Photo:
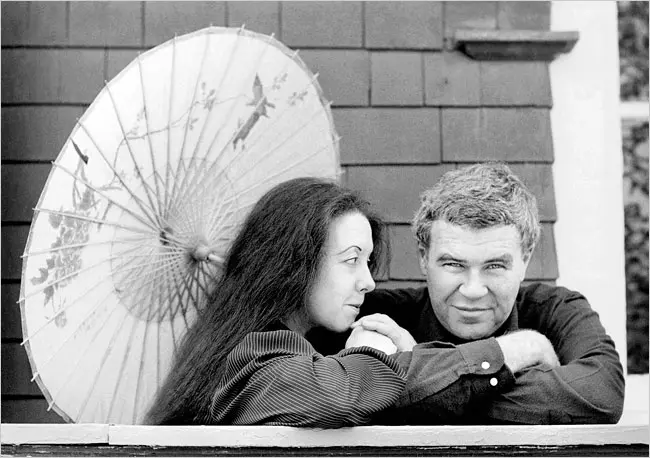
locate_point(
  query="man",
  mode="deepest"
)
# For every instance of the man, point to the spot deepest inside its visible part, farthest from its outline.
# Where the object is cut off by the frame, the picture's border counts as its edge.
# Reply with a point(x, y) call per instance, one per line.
point(491, 350)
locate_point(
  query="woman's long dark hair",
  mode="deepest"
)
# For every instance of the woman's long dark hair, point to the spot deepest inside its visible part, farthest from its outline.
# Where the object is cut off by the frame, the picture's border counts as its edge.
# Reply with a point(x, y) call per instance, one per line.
point(268, 274)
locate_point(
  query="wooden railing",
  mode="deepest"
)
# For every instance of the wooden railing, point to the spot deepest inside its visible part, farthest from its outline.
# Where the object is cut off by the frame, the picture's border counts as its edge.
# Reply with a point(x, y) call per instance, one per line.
point(122, 440)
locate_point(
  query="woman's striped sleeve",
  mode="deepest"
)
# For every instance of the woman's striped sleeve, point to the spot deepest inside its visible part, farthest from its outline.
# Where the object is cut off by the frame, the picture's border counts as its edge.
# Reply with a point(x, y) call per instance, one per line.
point(277, 378)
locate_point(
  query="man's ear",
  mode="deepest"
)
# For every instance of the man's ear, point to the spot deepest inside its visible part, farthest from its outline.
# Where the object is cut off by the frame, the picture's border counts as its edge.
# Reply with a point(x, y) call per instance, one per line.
point(526, 258)
point(423, 257)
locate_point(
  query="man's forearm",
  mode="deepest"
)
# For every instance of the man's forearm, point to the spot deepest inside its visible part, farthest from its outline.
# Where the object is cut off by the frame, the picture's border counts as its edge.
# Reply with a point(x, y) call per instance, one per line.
point(444, 379)
point(578, 393)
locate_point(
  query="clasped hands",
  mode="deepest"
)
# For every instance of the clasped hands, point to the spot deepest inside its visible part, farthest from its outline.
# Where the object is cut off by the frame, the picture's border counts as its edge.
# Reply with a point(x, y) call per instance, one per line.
point(381, 332)
point(521, 349)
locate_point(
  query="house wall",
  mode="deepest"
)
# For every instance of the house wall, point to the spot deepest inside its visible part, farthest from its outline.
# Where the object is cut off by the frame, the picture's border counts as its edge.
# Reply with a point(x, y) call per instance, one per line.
point(407, 106)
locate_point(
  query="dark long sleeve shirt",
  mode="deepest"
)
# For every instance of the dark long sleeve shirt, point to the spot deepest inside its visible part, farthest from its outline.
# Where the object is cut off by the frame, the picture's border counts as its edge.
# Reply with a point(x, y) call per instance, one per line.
point(457, 388)
point(277, 378)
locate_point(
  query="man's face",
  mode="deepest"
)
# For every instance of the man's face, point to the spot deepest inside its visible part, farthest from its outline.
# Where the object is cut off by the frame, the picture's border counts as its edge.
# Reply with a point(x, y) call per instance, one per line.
point(473, 276)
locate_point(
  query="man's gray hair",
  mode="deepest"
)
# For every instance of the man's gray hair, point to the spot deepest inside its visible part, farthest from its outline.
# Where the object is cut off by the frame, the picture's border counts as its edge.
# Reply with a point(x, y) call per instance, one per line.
point(480, 196)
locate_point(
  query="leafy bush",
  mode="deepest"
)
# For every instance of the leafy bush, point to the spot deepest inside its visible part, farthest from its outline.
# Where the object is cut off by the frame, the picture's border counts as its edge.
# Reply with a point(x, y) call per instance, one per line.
point(633, 49)
point(635, 180)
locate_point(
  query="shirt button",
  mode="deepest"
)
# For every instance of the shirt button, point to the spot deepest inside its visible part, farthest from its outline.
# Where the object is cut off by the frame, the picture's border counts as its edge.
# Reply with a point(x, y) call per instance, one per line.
point(485, 365)
point(493, 381)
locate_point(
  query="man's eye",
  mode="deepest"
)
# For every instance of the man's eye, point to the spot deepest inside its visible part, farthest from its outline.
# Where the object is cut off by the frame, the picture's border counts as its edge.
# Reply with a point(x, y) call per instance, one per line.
point(495, 266)
point(453, 265)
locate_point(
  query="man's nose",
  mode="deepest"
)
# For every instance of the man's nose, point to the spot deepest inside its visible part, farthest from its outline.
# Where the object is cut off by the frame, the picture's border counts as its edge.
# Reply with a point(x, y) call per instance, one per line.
point(365, 284)
point(473, 286)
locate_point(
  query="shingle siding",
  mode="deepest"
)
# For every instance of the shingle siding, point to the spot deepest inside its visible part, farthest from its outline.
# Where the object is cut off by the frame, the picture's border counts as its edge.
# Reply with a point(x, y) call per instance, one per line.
point(403, 25)
point(105, 24)
point(322, 24)
point(34, 23)
point(164, 20)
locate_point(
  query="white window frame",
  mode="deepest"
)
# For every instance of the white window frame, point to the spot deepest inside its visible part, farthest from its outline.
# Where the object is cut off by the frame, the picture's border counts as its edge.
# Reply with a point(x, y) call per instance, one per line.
point(588, 173)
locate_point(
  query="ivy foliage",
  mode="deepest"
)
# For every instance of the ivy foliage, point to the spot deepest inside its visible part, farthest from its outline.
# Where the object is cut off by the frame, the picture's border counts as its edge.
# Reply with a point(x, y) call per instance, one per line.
point(633, 49)
point(635, 179)
point(633, 52)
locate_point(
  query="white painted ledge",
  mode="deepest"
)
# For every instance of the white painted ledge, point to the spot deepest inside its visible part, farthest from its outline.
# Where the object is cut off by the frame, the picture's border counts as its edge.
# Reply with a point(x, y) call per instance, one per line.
point(287, 437)
point(17, 433)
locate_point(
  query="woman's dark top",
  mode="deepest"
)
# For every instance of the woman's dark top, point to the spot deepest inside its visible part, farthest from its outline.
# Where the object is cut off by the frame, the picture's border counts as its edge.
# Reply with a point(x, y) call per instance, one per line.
point(276, 377)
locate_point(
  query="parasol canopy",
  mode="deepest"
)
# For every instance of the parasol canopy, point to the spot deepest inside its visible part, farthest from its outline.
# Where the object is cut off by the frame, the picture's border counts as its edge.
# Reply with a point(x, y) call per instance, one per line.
point(142, 203)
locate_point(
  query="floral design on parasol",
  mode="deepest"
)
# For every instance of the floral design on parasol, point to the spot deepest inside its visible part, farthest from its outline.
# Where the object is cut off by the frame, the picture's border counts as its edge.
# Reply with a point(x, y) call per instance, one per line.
point(143, 201)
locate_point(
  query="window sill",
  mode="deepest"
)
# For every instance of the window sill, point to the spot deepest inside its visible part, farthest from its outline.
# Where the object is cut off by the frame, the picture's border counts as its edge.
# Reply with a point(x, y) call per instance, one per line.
point(107, 440)
point(523, 45)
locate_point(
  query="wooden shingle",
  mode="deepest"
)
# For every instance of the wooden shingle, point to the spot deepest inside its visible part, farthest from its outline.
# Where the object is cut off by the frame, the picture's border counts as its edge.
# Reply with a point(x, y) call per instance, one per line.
point(403, 25)
point(451, 79)
point(388, 135)
point(21, 187)
point(395, 190)
point(68, 76)
point(105, 23)
point(14, 239)
point(34, 23)
point(11, 320)
point(396, 79)
point(496, 134)
point(17, 380)
point(524, 15)
point(260, 17)
point(322, 24)
point(36, 133)
point(164, 20)
point(515, 84)
point(28, 411)
point(344, 75)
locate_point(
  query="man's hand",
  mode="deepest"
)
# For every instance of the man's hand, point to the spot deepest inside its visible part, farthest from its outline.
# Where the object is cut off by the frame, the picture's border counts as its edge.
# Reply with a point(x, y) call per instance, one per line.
point(361, 337)
point(385, 325)
point(526, 348)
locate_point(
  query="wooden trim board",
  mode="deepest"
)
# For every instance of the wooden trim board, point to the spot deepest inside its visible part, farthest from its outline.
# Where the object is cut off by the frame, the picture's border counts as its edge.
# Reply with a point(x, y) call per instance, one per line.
point(361, 436)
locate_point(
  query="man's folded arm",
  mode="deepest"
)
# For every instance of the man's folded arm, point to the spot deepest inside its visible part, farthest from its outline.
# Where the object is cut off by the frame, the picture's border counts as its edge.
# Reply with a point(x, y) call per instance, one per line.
point(588, 387)
point(444, 380)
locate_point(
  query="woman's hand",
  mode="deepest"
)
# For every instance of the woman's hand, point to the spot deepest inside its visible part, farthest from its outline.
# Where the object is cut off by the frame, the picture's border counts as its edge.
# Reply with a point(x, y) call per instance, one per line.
point(385, 325)
point(361, 337)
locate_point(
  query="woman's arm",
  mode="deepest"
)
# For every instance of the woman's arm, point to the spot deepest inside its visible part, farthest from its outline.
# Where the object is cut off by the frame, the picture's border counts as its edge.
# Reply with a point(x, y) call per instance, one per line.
point(277, 378)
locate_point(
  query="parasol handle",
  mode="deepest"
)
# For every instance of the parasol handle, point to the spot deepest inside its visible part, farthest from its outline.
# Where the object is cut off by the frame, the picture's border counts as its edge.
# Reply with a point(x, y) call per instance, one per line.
point(215, 259)
point(204, 253)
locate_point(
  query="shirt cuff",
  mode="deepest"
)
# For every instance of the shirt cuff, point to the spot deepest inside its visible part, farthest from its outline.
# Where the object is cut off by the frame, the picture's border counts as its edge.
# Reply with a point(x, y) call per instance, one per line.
point(485, 360)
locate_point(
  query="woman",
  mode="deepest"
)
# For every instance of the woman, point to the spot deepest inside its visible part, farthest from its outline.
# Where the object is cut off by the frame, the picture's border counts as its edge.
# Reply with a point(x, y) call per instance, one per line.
point(303, 259)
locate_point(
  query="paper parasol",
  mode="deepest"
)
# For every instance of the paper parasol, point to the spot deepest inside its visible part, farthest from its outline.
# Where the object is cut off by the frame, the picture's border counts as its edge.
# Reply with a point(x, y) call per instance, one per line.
point(142, 203)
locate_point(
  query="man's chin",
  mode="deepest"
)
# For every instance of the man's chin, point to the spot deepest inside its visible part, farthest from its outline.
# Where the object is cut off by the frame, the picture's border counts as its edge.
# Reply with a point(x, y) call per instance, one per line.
point(471, 334)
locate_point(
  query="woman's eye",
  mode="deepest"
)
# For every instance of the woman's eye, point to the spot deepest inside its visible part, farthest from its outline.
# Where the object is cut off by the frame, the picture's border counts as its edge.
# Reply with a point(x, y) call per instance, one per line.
point(352, 260)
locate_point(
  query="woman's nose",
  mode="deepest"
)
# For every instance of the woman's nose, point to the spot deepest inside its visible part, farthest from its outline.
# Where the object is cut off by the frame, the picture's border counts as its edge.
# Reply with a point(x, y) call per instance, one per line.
point(366, 284)
point(473, 286)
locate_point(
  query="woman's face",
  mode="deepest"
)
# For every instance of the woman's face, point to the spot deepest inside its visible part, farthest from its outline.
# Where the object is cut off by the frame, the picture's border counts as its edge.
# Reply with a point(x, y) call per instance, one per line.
point(344, 277)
